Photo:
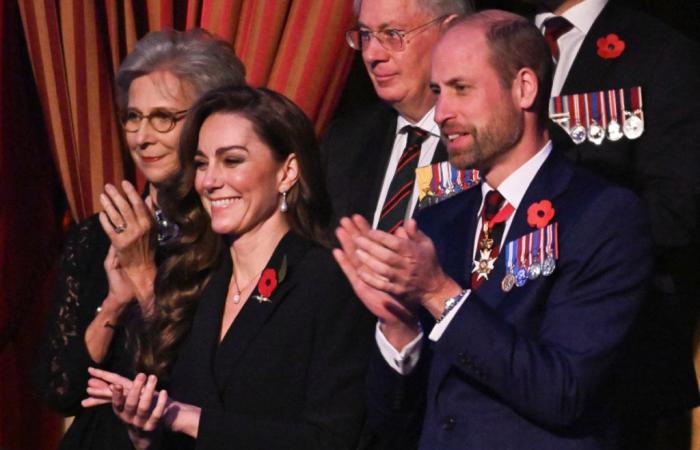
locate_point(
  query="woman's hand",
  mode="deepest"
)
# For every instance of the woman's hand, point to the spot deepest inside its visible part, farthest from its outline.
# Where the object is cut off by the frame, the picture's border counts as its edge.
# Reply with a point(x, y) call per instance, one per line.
point(128, 221)
point(121, 289)
point(136, 403)
point(140, 406)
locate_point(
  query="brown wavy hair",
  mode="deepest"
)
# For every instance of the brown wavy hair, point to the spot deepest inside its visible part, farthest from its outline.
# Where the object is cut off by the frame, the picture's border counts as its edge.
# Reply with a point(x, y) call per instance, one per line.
point(182, 276)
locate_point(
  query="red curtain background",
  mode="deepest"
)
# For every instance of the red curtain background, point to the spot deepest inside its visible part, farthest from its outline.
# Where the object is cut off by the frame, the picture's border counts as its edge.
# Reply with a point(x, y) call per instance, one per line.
point(59, 136)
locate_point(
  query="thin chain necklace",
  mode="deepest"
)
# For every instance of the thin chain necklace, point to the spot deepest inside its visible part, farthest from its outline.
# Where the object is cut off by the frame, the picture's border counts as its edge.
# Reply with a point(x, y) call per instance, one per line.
point(237, 292)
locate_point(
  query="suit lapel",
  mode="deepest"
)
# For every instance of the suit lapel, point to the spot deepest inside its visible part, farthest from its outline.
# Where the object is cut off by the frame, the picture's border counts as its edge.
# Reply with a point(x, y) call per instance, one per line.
point(256, 313)
point(203, 338)
point(549, 183)
point(589, 69)
point(440, 154)
point(375, 156)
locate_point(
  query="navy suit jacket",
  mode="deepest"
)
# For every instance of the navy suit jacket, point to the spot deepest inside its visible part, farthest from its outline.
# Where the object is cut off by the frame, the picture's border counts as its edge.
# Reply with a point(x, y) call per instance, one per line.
point(532, 368)
point(662, 167)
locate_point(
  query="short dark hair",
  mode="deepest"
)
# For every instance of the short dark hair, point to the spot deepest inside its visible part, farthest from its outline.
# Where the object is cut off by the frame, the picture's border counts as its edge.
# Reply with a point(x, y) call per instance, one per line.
point(515, 43)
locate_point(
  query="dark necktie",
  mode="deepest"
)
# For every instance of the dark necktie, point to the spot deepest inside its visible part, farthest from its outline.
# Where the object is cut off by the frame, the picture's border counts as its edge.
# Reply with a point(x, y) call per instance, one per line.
point(399, 194)
point(491, 230)
point(554, 28)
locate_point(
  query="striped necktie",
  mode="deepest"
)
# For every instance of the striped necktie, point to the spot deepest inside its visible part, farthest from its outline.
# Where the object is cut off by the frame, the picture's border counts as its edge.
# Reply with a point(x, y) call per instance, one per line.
point(399, 194)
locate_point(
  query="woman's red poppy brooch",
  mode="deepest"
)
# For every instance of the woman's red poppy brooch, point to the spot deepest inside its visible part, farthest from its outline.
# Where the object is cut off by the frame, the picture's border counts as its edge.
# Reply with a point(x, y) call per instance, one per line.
point(610, 46)
point(269, 280)
point(540, 213)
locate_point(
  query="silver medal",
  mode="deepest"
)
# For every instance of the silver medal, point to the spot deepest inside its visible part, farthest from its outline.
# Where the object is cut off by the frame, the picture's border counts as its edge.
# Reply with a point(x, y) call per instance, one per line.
point(596, 133)
point(534, 271)
point(578, 134)
point(548, 265)
point(633, 126)
point(614, 130)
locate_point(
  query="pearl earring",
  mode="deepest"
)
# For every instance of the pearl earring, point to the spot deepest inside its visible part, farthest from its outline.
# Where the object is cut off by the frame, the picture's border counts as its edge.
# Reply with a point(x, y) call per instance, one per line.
point(283, 203)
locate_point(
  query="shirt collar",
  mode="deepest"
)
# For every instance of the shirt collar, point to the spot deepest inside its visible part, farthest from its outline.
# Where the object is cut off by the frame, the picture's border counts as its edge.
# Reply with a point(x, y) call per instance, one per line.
point(427, 123)
point(514, 186)
point(581, 15)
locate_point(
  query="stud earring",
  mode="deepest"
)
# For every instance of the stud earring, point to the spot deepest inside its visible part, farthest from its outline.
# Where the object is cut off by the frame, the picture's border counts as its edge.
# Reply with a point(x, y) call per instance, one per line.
point(283, 203)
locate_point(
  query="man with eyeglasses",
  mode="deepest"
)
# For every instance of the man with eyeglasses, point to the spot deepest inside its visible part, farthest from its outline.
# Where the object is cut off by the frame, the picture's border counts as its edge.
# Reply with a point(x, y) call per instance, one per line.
point(370, 156)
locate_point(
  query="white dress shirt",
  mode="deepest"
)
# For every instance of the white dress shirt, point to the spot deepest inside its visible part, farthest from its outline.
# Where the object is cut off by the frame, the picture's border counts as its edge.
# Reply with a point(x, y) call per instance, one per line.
point(427, 123)
point(581, 16)
point(513, 189)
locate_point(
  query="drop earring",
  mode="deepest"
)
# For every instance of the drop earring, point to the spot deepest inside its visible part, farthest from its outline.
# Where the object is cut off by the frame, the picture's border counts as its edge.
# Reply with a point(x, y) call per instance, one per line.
point(283, 203)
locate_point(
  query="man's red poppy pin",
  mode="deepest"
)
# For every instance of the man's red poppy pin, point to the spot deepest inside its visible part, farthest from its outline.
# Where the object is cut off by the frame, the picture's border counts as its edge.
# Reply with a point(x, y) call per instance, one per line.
point(610, 46)
point(540, 213)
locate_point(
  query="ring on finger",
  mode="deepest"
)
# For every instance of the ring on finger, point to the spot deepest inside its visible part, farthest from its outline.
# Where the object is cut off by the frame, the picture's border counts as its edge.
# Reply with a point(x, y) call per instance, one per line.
point(120, 228)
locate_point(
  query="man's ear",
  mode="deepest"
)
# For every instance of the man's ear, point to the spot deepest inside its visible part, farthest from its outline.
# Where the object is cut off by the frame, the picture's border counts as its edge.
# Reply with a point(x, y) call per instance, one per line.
point(288, 174)
point(445, 23)
point(525, 88)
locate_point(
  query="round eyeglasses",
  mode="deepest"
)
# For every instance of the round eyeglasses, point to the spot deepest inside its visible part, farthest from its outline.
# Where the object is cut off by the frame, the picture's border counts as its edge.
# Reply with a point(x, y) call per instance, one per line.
point(162, 121)
point(391, 39)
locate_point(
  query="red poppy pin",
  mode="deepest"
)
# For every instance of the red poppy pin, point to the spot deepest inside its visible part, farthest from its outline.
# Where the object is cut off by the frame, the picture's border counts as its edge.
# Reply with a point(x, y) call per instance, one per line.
point(540, 213)
point(610, 46)
point(269, 280)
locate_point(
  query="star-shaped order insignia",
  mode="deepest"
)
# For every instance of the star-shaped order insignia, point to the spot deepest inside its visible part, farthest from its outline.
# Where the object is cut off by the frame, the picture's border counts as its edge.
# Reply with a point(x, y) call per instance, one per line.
point(484, 265)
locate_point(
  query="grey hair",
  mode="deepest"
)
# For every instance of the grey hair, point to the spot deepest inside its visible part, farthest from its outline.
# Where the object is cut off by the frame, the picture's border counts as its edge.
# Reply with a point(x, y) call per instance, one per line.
point(196, 57)
point(437, 7)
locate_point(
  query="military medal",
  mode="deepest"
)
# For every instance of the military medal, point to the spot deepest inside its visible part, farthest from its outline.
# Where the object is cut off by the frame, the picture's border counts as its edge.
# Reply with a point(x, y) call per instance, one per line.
point(487, 254)
point(614, 129)
point(535, 268)
point(508, 281)
point(634, 119)
point(521, 269)
point(440, 181)
point(578, 131)
point(559, 113)
point(551, 250)
point(596, 133)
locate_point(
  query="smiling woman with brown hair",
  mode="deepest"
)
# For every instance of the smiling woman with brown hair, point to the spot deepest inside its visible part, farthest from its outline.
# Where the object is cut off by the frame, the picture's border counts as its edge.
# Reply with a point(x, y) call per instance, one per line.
point(259, 335)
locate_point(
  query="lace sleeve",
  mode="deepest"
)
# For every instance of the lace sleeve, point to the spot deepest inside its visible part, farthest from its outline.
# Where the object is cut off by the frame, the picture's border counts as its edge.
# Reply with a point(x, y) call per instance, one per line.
point(81, 286)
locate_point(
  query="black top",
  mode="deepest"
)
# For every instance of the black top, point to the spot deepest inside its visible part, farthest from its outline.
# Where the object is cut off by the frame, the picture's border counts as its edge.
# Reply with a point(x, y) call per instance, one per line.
point(289, 373)
point(81, 287)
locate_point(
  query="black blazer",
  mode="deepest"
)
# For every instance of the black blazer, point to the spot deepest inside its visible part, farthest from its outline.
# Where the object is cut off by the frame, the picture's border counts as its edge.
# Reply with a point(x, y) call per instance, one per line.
point(355, 153)
point(663, 168)
point(289, 374)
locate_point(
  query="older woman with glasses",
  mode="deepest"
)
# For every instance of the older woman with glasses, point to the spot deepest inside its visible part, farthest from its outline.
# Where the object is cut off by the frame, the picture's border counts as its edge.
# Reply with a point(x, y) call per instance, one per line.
point(260, 338)
point(107, 270)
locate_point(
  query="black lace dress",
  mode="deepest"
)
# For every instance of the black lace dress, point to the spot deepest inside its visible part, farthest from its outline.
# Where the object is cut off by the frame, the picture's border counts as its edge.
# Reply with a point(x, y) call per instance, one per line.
point(62, 373)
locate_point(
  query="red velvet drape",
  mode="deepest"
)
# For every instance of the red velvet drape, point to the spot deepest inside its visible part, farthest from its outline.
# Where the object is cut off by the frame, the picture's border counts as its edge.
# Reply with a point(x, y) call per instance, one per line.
point(29, 241)
point(59, 135)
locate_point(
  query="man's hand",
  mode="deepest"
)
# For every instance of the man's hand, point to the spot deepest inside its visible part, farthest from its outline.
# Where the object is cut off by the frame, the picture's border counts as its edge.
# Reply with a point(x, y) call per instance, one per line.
point(403, 265)
point(398, 323)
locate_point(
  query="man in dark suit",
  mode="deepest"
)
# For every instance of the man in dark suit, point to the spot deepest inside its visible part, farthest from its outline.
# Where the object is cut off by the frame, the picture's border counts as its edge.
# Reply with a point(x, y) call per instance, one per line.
point(369, 158)
point(661, 166)
point(525, 346)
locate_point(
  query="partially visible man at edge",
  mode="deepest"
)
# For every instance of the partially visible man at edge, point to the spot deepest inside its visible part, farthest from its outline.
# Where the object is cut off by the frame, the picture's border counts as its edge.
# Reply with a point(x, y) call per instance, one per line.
point(603, 45)
point(370, 156)
point(527, 339)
